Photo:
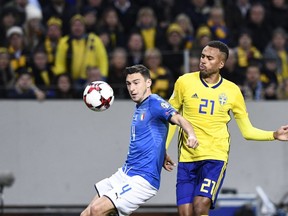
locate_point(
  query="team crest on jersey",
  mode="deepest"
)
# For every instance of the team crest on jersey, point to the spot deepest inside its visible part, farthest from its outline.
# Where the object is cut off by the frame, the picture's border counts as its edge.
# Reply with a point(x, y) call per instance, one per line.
point(222, 99)
point(165, 105)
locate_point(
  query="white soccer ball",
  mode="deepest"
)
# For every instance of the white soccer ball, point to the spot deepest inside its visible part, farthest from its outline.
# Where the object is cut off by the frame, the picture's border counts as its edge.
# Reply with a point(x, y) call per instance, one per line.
point(98, 96)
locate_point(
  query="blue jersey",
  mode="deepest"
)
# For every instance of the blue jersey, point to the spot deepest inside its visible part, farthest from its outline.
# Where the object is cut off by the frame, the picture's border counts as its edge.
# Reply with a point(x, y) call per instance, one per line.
point(148, 136)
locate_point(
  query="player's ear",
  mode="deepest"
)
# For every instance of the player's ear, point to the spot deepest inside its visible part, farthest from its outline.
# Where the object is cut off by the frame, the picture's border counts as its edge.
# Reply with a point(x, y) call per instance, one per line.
point(221, 65)
point(148, 83)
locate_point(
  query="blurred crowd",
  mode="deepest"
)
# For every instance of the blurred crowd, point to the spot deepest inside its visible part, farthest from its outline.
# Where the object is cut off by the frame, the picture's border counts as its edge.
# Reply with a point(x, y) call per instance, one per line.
point(53, 49)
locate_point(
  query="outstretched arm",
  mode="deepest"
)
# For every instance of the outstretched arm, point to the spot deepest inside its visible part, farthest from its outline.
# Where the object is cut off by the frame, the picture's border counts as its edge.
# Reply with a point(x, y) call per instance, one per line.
point(249, 132)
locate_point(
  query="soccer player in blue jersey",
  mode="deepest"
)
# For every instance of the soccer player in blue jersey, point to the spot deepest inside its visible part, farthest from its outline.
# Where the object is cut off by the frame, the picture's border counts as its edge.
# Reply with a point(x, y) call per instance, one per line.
point(205, 99)
point(138, 179)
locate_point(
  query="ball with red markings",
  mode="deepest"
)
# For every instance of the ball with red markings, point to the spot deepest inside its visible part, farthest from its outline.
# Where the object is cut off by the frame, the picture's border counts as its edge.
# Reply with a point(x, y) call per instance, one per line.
point(98, 96)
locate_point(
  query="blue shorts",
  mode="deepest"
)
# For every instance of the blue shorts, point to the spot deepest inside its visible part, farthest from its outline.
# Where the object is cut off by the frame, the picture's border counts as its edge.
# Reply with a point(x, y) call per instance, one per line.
point(201, 178)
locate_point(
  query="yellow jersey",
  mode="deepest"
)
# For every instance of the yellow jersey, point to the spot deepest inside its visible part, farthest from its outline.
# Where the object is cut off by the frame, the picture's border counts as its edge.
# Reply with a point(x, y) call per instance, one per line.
point(207, 107)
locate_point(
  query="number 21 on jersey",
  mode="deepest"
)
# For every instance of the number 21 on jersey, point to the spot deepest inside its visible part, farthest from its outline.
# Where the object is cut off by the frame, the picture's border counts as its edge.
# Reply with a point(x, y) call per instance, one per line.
point(208, 186)
point(206, 106)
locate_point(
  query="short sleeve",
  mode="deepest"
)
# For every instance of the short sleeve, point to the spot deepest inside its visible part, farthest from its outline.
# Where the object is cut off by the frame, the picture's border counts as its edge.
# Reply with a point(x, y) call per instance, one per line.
point(162, 109)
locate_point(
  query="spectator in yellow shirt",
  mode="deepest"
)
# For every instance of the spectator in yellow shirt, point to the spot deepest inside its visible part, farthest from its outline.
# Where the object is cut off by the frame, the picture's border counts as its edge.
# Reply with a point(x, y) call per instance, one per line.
point(78, 50)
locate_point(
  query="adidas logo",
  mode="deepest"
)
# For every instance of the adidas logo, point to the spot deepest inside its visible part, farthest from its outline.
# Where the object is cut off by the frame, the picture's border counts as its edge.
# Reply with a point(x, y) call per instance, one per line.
point(194, 95)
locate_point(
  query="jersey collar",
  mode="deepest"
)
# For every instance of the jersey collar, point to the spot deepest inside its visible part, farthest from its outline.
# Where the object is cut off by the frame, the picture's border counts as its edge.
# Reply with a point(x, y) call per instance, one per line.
point(138, 105)
point(214, 86)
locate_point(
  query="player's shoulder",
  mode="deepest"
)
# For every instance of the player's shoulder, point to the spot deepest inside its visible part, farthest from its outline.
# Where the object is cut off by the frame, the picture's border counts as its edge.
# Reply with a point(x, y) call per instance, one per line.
point(155, 98)
point(157, 101)
point(187, 77)
point(230, 84)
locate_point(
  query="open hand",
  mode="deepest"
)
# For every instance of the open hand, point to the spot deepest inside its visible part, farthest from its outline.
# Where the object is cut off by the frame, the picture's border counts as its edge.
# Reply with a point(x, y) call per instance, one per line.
point(168, 163)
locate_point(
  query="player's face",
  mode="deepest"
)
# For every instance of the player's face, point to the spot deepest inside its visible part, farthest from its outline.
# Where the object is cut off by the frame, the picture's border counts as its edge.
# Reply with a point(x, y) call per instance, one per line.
point(138, 87)
point(211, 61)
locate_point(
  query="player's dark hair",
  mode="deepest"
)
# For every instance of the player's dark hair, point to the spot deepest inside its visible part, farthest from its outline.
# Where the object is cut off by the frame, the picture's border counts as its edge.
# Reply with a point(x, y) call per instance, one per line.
point(221, 46)
point(138, 69)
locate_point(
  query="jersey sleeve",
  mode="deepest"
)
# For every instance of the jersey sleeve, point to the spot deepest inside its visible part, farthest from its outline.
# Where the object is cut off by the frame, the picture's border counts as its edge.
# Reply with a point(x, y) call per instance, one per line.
point(247, 130)
point(171, 132)
point(239, 107)
point(176, 98)
point(251, 133)
point(162, 109)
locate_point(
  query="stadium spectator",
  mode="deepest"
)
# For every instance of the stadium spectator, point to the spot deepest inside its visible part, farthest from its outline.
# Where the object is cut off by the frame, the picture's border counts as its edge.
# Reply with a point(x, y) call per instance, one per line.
point(116, 77)
point(8, 17)
point(33, 29)
point(193, 63)
point(198, 11)
point(97, 6)
point(42, 74)
point(278, 49)
point(173, 50)
point(230, 70)
point(217, 25)
point(162, 79)
point(62, 10)
point(77, 51)
point(236, 13)
point(6, 74)
point(258, 24)
point(91, 19)
point(146, 25)
point(185, 23)
point(20, 8)
point(127, 13)
point(24, 88)
point(269, 71)
point(53, 35)
point(19, 53)
point(246, 52)
point(62, 88)
point(203, 36)
point(111, 25)
point(164, 10)
point(253, 88)
point(135, 49)
point(278, 14)
point(93, 74)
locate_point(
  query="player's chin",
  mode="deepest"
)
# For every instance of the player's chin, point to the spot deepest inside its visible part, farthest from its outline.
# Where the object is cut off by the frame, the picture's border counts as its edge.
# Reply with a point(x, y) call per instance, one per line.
point(135, 98)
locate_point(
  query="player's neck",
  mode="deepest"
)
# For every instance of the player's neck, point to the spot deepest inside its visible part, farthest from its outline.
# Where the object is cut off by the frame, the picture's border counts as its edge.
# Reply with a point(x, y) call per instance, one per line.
point(212, 79)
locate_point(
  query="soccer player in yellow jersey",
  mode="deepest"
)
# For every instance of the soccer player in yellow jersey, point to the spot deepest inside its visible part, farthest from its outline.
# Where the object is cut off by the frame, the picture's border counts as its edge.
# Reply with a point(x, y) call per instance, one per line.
point(206, 99)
